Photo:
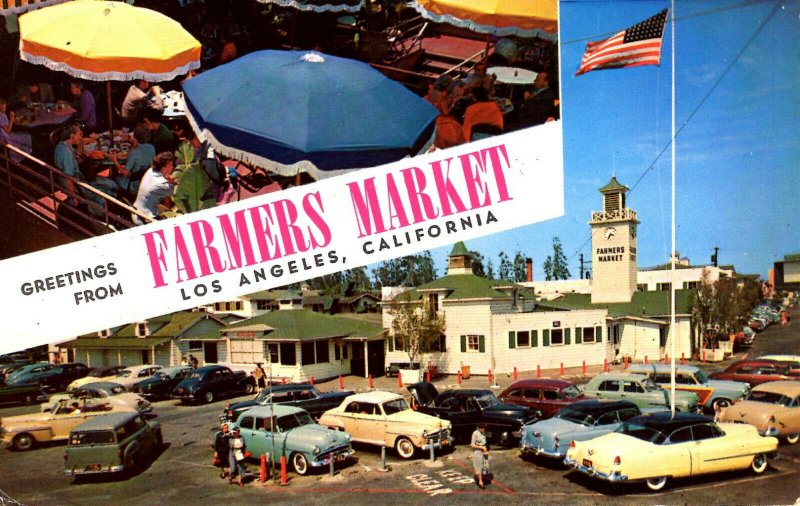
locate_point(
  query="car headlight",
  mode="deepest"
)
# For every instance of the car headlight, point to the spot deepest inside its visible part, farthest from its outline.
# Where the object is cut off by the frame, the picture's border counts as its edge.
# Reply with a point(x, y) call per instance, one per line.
point(425, 433)
point(315, 451)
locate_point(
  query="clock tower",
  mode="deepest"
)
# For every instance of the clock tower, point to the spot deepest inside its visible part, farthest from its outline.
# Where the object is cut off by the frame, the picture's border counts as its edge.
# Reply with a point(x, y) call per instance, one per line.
point(614, 266)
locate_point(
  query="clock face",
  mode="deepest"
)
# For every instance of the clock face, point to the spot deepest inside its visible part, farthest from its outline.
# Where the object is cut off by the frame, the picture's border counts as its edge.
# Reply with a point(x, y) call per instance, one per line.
point(610, 233)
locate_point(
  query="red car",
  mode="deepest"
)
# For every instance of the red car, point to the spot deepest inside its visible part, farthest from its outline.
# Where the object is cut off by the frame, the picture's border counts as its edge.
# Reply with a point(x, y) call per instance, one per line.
point(756, 372)
point(546, 395)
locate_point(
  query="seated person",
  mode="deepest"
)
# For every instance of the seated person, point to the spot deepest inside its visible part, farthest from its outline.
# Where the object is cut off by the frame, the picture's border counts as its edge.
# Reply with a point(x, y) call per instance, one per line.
point(84, 103)
point(33, 90)
point(157, 184)
point(140, 96)
point(478, 78)
point(161, 136)
point(483, 112)
point(140, 157)
point(21, 141)
point(539, 103)
point(448, 129)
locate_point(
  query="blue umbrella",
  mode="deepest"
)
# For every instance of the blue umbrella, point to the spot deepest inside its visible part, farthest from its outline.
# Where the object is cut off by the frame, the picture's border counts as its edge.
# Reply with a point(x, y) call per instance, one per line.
point(293, 106)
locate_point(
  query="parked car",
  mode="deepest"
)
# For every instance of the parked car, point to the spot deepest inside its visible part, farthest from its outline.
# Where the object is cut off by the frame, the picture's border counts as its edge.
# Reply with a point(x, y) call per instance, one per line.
point(302, 396)
point(19, 394)
point(23, 432)
point(578, 421)
point(793, 361)
point(772, 408)
point(384, 418)
point(95, 375)
point(640, 389)
point(59, 376)
point(112, 443)
point(657, 447)
point(100, 395)
point(27, 372)
point(712, 394)
point(466, 408)
point(161, 384)
point(756, 372)
point(546, 395)
point(745, 337)
point(7, 369)
point(210, 382)
point(131, 375)
point(291, 432)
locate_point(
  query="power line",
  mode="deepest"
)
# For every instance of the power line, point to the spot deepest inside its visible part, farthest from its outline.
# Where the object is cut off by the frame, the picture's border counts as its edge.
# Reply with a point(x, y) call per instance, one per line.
point(703, 100)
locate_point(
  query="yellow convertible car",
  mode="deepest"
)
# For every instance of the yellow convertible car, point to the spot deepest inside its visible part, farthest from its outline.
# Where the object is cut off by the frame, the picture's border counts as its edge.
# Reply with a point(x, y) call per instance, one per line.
point(772, 408)
point(655, 447)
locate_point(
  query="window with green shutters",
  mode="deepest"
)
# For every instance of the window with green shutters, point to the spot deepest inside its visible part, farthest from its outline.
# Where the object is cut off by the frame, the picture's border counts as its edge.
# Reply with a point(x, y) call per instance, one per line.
point(473, 343)
point(512, 340)
point(390, 343)
point(546, 337)
point(535, 338)
point(463, 344)
point(598, 334)
point(567, 336)
point(578, 335)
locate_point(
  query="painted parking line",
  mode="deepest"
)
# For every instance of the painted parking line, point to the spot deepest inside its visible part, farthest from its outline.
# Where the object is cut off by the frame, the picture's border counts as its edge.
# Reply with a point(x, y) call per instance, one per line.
point(494, 481)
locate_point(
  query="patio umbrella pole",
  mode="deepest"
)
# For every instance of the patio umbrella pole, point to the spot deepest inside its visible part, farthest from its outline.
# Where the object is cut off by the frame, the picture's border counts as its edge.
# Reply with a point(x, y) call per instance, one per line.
point(108, 95)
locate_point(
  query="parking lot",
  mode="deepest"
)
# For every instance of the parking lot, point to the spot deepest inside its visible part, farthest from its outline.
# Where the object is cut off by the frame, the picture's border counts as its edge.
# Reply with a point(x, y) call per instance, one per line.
point(183, 472)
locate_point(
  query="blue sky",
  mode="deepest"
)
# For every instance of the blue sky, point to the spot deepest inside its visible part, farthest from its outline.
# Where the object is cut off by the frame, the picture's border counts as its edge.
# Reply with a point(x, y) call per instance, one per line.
point(738, 158)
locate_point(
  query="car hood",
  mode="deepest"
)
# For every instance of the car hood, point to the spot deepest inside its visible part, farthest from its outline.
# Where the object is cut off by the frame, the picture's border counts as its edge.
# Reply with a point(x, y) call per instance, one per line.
point(188, 383)
point(512, 410)
point(552, 426)
point(728, 386)
point(316, 435)
point(424, 392)
point(682, 398)
point(752, 412)
point(422, 420)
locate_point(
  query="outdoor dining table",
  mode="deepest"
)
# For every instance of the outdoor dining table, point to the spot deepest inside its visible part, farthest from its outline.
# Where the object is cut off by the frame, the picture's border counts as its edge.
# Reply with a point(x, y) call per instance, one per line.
point(38, 115)
point(174, 106)
point(98, 150)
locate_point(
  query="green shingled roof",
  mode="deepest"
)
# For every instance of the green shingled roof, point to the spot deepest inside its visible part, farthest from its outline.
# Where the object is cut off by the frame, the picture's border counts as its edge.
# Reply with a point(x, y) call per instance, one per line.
point(613, 185)
point(129, 343)
point(459, 249)
point(792, 257)
point(461, 286)
point(644, 304)
point(304, 324)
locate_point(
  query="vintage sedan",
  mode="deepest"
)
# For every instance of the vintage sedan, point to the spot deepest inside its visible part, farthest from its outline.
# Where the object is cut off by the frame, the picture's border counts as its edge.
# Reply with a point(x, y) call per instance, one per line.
point(580, 421)
point(756, 372)
point(468, 407)
point(59, 376)
point(27, 393)
point(546, 395)
point(772, 408)
point(27, 373)
point(112, 443)
point(95, 375)
point(131, 375)
point(161, 384)
point(385, 419)
point(638, 388)
point(23, 432)
point(101, 395)
point(205, 384)
point(291, 432)
point(656, 447)
point(713, 394)
point(304, 396)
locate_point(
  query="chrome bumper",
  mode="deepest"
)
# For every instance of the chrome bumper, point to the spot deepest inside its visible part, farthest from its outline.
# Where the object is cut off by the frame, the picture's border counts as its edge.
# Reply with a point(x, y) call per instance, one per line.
point(538, 450)
point(112, 469)
point(770, 431)
point(338, 455)
point(594, 473)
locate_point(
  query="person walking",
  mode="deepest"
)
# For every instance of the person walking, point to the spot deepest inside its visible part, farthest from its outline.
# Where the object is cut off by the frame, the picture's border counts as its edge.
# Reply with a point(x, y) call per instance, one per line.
point(258, 378)
point(480, 453)
point(222, 450)
point(238, 449)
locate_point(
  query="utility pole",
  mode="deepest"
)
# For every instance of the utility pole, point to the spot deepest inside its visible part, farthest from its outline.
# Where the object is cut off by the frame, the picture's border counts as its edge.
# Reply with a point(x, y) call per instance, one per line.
point(715, 257)
point(585, 272)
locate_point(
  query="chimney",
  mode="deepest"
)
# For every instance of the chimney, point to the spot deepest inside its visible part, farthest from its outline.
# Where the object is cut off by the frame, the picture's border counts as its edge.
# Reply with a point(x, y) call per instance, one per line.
point(529, 269)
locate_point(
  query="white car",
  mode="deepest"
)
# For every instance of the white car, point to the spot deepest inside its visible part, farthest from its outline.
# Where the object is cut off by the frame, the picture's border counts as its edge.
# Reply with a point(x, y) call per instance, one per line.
point(134, 374)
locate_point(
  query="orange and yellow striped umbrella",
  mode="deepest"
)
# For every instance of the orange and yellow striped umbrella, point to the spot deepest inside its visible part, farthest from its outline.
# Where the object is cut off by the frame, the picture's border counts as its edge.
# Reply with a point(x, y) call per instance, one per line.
point(525, 18)
point(19, 6)
point(104, 40)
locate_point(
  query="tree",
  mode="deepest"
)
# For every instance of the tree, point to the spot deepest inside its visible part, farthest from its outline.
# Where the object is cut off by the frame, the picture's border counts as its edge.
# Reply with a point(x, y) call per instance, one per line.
point(489, 269)
point(505, 267)
point(359, 278)
point(520, 268)
point(555, 266)
point(416, 327)
point(412, 270)
point(477, 264)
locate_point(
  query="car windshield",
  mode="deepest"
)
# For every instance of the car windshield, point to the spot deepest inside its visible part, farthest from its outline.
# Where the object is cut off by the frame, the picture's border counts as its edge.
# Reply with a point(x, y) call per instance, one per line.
point(769, 398)
point(571, 391)
point(486, 400)
point(105, 437)
point(162, 375)
point(575, 416)
point(395, 406)
point(195, 376)
point(289, 422)
point(701, 377)
point(641, 432)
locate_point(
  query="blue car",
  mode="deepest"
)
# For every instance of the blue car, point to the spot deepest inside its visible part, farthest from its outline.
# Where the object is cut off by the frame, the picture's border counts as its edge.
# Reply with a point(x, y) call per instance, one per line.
point(27, 373)
point(579, 421)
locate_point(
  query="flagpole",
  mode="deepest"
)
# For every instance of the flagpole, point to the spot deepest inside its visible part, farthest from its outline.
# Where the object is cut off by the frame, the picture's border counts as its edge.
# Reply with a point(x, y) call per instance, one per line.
point(672, 329)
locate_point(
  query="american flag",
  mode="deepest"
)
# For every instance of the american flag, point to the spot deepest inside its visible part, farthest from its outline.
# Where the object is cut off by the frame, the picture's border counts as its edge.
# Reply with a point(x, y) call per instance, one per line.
point(638, 45)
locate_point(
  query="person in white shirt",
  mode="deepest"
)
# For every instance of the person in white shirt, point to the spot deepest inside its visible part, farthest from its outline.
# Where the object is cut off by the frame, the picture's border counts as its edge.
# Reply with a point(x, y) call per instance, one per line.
point(138, 98)
point(157, 185)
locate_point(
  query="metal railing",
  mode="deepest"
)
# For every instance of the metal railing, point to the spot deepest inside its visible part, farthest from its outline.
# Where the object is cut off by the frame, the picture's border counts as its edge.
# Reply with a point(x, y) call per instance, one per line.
point(405, 37)
point(466, 65)
point(29, 179)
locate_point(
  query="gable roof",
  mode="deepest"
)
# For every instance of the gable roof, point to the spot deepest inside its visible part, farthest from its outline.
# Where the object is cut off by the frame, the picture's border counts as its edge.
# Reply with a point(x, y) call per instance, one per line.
point(462, 286)
point(306, 325)
point(650, 303)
